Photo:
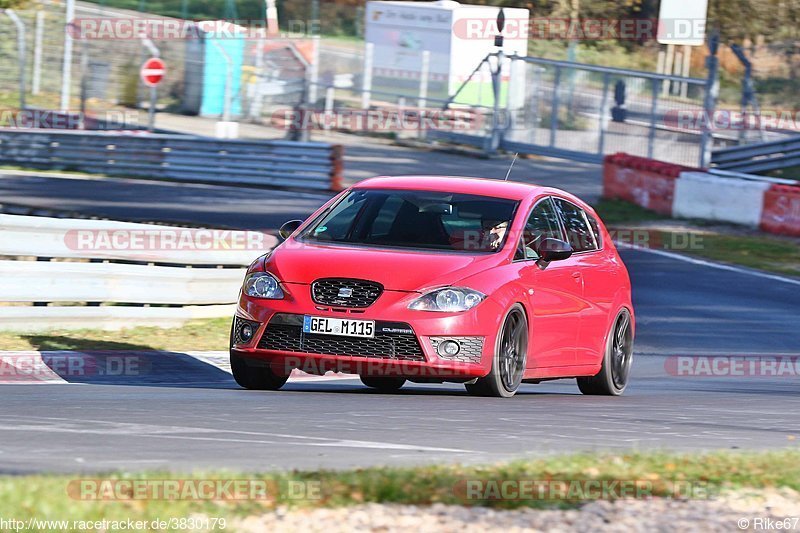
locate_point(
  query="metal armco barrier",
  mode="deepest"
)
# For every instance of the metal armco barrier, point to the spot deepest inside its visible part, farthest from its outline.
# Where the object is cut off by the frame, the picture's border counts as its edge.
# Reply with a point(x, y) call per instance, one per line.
point(759, 157)
point(73, 272)
point(307, 165)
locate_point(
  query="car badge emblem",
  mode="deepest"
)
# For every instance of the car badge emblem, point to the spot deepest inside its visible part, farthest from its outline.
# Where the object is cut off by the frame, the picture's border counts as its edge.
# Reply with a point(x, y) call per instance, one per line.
point(345, 292)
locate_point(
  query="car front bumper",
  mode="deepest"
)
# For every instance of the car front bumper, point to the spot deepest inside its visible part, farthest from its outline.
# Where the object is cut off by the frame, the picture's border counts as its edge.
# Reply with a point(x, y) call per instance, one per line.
point(404, 344)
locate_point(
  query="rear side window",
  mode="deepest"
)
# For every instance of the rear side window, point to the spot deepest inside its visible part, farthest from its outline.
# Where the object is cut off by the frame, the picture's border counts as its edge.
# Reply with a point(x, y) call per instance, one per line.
point(542, 224)
point(579, 235)
point(595, 229)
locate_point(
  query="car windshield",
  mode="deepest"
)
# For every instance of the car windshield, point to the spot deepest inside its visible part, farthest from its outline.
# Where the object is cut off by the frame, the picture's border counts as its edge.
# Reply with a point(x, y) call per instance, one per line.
point(416, 219)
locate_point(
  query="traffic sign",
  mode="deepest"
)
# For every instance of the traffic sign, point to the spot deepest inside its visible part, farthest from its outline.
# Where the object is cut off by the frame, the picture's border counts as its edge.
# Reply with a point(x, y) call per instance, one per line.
point(152, 71)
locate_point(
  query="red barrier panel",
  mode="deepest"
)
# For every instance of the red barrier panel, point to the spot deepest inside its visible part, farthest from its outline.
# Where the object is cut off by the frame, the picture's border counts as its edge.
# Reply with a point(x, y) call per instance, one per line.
point(645, 182)
point(782, 210)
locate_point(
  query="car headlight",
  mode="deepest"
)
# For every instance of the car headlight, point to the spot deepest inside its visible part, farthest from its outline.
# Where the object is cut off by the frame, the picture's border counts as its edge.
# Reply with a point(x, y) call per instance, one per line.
point(262, 285)
point(448, 300)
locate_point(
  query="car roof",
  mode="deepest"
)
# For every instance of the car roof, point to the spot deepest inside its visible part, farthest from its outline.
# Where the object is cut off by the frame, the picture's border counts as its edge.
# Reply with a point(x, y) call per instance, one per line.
point(512, 190)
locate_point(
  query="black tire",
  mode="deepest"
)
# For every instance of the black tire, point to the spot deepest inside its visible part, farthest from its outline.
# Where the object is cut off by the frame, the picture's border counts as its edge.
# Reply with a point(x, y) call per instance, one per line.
point(383, 383)
point(255, 376)
point(615, 371)
point(510, 356)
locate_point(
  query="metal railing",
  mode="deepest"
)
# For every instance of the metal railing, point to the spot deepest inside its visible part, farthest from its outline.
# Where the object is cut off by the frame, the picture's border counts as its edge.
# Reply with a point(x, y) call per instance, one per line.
point(760, 157)
point(65, 272)
point(309, 165)
point(583, 112)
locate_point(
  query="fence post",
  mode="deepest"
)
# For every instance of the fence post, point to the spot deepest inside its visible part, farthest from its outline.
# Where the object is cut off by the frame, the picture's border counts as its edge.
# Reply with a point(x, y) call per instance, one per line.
point(337, 165)
point(686, 69)
point(668, 67)
point(710, 99)
point(366, 81)
point(651, 138)
point(512, 96)
point(603, 122)
point(84, 84)
point(254, 91)
point(313, 71)
point(20, 54)
point(497, 83)
point(66, 67)
point(226, 104)
point(37, 52)
point(554, 109)
point(329, 99)
point(272, 18)
point(423, 78)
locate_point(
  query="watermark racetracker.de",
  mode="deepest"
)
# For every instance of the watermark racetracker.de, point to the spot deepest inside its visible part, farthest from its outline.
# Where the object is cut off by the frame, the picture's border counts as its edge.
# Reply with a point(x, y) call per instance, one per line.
point(516, 28)
point(577, 490)
point(166, 239)
point(751, 365)
point(33, 367)
point(182, 489)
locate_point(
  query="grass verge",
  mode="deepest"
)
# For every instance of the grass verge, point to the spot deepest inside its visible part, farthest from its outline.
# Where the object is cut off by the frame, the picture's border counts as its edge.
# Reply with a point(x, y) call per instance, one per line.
point(56, 497)
point(726, 244)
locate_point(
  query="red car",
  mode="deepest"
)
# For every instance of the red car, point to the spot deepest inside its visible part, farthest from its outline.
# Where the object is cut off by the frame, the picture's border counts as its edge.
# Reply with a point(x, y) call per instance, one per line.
point(440, 279)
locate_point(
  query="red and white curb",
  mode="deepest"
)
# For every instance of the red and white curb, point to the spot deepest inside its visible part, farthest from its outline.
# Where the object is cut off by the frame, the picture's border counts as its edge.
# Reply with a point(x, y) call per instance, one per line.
point(769, 204)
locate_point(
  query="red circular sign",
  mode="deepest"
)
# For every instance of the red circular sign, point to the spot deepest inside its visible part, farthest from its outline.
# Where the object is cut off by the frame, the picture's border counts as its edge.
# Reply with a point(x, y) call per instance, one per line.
point(152, 72)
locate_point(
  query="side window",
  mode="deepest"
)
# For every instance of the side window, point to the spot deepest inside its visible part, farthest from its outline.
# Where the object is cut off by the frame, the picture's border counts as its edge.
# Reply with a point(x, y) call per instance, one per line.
point(339, 222)
point(595, 229)
point(542, 224)
point(579, 235)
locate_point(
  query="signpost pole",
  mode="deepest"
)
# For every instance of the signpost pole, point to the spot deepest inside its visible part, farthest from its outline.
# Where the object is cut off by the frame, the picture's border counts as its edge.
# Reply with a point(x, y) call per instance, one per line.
point(152, 73)
point(151, 115)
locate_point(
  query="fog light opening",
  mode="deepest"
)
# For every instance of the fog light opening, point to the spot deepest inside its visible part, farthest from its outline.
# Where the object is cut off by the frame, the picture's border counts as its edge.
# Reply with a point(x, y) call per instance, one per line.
point(246, 332)
point(448, 348)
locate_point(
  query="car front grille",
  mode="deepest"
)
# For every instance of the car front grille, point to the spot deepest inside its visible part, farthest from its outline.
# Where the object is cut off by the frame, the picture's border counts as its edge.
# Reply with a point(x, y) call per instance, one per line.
point(393, 340)
point(342, 292)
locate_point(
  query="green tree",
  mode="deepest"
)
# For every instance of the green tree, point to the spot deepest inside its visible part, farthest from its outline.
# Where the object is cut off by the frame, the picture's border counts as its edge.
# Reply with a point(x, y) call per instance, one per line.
point(13, 4)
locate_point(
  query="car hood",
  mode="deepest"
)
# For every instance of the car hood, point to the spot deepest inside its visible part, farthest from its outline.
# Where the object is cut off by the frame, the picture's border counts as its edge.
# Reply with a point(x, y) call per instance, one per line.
point(399, 270)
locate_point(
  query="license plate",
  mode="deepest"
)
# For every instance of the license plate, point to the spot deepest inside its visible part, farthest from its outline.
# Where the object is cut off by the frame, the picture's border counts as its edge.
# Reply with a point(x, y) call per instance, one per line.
point(338, 326)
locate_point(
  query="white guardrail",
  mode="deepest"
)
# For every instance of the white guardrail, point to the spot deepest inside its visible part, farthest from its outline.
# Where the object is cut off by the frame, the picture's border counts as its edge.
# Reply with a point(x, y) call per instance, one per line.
point(75, 273)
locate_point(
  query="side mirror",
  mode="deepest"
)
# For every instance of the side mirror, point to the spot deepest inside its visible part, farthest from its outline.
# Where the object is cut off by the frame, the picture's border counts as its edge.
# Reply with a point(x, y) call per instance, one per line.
point(288, 228)
point(552, 250)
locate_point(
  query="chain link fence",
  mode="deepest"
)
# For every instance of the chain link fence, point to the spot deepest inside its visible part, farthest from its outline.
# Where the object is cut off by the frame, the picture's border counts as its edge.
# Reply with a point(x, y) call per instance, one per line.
point(544, 106)
point(603, 111)
point(104, 81)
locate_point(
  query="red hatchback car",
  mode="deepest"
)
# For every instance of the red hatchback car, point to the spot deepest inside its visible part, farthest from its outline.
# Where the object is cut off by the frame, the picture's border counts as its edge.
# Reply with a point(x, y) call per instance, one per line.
point(432, 279)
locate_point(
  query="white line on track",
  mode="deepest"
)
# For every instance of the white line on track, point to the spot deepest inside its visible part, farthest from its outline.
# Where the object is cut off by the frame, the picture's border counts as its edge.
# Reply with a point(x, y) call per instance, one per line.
point(703, 262)
point(154, 431)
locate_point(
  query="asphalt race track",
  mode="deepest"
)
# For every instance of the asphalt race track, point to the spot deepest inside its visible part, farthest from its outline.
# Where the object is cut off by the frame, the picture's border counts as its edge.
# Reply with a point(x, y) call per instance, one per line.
point(192, 204)
point(191, 415)
point(267, 209)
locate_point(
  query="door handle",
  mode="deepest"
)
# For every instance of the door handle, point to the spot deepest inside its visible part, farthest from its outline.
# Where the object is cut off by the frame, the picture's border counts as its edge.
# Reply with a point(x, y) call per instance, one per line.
point(576, 275)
